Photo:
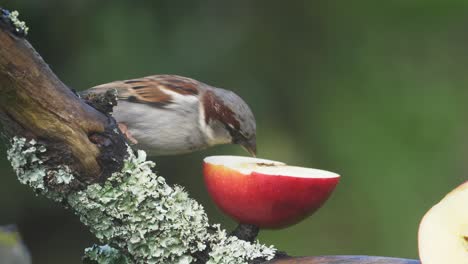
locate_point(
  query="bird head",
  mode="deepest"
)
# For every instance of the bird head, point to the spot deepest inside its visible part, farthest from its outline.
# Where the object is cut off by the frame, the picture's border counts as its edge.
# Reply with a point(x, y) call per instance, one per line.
point(229, 119)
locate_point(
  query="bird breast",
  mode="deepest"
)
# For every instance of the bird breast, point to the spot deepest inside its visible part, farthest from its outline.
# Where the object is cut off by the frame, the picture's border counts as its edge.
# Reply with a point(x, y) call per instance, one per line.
point(163, 131)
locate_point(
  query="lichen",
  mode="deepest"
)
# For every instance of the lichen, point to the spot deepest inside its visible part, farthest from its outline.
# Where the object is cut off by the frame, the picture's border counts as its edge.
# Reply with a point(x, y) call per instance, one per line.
point(27, 160)
point(229, 249)
point(105, 255)
point(24, 159)
point(20, 26)
point(62, 175)
point(137, 212)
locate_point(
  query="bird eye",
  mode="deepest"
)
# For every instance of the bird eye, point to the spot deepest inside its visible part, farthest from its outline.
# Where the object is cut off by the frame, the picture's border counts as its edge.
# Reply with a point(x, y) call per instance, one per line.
point(240, 137)
point(236, 135)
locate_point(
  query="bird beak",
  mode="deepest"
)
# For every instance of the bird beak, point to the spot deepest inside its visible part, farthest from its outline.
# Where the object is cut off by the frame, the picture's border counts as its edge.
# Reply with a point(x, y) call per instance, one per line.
point(250, 146)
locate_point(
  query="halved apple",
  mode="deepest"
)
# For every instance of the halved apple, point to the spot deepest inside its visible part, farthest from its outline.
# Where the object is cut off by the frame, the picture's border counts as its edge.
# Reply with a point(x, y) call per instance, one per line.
point(265, 193)
point(443, 231)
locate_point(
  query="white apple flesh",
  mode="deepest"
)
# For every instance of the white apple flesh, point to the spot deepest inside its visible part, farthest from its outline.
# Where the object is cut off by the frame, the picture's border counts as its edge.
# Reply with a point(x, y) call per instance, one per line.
point(265, 193)
point(443, 232)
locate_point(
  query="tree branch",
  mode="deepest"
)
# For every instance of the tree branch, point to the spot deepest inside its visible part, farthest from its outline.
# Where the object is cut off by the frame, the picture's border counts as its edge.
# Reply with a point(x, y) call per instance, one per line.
point(34, 103)
point(344, 260)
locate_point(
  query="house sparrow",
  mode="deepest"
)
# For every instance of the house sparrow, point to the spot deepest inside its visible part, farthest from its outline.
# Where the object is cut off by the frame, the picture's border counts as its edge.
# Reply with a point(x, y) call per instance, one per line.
point(170, 114)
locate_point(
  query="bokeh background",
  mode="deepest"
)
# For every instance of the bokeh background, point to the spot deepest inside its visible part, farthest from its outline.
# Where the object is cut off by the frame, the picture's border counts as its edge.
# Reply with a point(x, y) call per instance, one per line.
point(373, 90)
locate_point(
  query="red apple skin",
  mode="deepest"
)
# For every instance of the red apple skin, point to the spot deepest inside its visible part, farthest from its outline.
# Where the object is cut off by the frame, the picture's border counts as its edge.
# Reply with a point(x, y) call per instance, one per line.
point(265, 200)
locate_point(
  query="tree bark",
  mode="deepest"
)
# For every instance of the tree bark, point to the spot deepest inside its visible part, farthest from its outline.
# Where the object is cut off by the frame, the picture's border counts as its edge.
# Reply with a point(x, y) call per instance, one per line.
point(35, 104)
point(343, 260)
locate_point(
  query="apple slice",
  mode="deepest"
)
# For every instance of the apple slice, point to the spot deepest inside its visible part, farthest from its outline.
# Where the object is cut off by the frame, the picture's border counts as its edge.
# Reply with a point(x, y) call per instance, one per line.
point(443, 232)
point(265, 193)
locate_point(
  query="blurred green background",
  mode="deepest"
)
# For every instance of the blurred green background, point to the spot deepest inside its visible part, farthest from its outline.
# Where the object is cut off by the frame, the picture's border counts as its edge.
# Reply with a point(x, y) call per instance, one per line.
point(373, 90)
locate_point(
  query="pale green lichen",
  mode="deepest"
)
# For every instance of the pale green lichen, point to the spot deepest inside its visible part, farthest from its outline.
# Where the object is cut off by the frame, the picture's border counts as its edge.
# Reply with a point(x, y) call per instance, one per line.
point(229, 249)
point(105, 255)
point(143, 219)
point(62, 175)
point(20, 26)
point(25, 158)
point(137, 212)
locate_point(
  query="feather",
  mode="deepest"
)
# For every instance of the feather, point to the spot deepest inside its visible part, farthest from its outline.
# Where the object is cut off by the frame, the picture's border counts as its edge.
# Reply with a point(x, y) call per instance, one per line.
point(156, 90)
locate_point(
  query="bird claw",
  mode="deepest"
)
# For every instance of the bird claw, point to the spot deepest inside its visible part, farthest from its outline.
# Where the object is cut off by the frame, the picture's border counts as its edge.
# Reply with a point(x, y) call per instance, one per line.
point(124, 129)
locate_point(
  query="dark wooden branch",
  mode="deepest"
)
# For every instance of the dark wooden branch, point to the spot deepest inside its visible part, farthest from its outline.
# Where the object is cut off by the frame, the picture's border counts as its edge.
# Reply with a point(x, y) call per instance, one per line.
point(343, 260)
point(246, 232)
point(35, 104)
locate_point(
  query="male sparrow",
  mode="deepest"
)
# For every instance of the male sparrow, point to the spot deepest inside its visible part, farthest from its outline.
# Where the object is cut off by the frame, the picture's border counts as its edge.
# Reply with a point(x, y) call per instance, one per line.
point(170, 114)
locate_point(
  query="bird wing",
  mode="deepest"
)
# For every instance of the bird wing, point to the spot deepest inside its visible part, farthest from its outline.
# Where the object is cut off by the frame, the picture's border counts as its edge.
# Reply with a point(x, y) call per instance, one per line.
point(156, 90)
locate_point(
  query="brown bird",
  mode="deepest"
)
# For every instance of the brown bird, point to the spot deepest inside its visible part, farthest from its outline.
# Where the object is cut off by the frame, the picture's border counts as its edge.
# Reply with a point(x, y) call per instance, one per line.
point(170, 114)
